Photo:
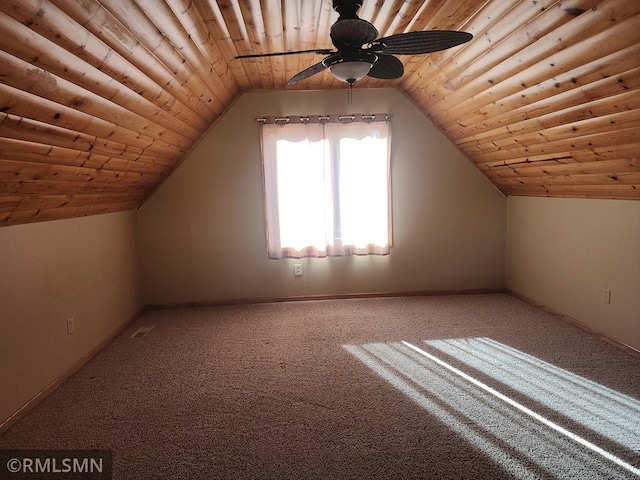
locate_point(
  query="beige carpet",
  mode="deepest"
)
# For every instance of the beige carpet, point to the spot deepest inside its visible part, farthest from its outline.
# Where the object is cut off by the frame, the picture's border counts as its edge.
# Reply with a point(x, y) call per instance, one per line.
point(451, 387)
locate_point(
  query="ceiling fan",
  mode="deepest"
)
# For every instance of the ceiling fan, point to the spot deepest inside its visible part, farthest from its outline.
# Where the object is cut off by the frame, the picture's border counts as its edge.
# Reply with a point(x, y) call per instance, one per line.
point(359, 52)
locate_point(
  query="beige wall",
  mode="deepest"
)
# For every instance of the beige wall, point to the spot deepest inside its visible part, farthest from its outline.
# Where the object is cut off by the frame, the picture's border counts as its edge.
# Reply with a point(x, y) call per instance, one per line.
point(85, 268)
point(564, 252)
point(201, 239)
point(202, 233)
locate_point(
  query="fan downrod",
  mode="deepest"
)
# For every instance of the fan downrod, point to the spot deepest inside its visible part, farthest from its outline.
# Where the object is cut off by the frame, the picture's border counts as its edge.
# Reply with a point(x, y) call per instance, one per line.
point(347, 8)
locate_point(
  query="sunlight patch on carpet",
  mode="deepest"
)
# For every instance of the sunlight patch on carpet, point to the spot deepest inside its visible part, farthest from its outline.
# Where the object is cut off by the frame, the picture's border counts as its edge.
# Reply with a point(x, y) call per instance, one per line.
point(142, 331)
point(601, 409)
point(519, 438)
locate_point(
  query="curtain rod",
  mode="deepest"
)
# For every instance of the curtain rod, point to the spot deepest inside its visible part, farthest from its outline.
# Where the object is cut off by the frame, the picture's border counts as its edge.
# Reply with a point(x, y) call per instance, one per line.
point(331, 118)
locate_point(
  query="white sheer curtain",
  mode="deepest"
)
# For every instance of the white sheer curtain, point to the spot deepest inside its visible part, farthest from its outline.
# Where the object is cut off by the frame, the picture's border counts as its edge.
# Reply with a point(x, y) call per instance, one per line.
point(327, 189)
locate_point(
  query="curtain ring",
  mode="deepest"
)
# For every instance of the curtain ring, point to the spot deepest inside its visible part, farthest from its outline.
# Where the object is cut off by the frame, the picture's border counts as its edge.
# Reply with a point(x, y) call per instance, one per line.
point(284, 120)
point(346, 117)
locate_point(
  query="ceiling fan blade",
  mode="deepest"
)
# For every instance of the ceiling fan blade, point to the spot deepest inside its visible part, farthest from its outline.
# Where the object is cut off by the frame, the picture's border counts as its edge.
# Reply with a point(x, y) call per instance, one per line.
point(352, 33)
point(322, 51)
point(387, 67)
point(414, 43)
point(307, 72)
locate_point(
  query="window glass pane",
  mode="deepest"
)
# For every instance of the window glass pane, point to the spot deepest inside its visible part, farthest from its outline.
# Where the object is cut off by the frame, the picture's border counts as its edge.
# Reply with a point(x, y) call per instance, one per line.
point(363, 191)
point(301, 194)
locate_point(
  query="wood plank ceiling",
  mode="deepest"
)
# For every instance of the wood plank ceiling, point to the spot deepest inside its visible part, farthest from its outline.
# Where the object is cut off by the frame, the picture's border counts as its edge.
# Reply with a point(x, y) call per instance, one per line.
point(100, 100)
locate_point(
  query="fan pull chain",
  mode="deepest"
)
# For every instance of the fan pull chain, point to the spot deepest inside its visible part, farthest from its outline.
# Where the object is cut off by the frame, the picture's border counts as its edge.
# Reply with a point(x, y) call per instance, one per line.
point(350, 93)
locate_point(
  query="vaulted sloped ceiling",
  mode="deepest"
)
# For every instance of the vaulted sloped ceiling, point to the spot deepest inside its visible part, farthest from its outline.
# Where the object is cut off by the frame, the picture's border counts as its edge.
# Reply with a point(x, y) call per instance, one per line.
point(100, 100)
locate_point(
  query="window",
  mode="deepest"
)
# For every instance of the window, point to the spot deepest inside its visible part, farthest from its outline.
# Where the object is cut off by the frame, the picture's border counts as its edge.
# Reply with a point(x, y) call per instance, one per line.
point(327, 188)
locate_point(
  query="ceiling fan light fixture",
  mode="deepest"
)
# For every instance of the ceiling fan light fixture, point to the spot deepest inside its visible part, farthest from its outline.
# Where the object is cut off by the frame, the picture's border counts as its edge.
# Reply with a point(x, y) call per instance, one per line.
point(350, 71)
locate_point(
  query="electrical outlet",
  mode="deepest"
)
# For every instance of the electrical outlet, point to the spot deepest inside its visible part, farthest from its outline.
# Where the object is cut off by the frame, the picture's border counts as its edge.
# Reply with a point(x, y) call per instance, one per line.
point(297, 269)
point(70, 326)
point(606, 295)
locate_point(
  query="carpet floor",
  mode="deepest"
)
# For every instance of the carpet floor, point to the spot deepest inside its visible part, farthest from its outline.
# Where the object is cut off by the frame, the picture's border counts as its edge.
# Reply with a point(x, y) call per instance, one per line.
point(442, 387)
